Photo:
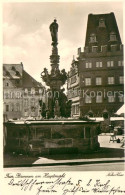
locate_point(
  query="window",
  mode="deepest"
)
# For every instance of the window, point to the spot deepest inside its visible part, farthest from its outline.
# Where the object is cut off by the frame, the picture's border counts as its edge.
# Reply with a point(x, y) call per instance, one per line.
point(25, 102)
point(88, 99)
point(121, 47)
point(6, 95)
point(73, 79)
point(32, 102)
point(121, 98)
point(12, 95)
point(32, 91)
point(99, 99)
point(13, 68)
point(104, 48)
point(113, 36)
point(7, 108)
point(111, 80)
point(25, 112)
point(79, 51)
point(113, 47)
point(32, 114)
point(110, 63)
point(111, 99)
point(88, 64)
point(73, 93)
point(26, 90)
point(76, 92)
point(121, 79)
point(94, 48)
point(73, 109)
point(92, 38)
point(32, 109)
point(98, 80)
point(87, 81)
point(12, 107)
point(120, 63)
point(77, 109)
point(17, 107)
point(40, 91)
point(69, 94)
point(101, 22)
point(17, 73)
point(98, 64)
point(18, 95)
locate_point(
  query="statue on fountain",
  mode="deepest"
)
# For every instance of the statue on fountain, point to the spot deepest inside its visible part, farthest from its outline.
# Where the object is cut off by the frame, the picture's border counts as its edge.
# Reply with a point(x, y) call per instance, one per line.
point(54, 32)
point(45, 74)
point(55, 106)
point(45, 71)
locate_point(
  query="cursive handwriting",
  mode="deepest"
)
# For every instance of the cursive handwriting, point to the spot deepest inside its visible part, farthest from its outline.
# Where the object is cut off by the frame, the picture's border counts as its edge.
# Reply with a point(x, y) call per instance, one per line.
point(115, 174)
point(50, 176)
point(63, 184)
point(24, 184)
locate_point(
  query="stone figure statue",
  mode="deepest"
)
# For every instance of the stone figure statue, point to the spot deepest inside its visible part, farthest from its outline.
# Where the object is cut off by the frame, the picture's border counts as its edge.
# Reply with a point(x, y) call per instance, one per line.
point(54, 31)
point(45, 71)
point(57, 109)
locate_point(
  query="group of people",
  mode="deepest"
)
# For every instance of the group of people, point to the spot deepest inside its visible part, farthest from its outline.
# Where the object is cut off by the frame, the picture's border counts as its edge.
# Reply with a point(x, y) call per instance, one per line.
point(113, 136)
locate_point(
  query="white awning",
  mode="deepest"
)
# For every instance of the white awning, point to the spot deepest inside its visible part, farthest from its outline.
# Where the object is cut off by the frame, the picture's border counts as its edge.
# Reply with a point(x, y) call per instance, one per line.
point(121, 110)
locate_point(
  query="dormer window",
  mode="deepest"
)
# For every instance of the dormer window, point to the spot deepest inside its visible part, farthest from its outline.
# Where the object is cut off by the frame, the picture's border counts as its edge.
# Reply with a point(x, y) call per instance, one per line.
point(94, 48)
point(92, 38)
point(104, 48)
point(13, 68)
point(79, 51)
point(113, 36)
point(102, 23)
point(7, 73)
point(113, 47)
point(17, 73)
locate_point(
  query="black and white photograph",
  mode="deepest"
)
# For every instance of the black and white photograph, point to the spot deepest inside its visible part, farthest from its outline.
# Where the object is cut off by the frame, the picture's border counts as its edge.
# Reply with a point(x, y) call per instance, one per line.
point(63, 91)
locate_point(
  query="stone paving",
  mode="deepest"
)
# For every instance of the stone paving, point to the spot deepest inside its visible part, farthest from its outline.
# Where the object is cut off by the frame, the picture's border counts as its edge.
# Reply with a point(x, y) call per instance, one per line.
point(104, 140)
point(108, 151)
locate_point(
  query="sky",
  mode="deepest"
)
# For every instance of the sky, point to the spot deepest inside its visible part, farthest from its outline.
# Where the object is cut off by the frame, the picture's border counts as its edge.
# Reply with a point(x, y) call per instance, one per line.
point(26, 35)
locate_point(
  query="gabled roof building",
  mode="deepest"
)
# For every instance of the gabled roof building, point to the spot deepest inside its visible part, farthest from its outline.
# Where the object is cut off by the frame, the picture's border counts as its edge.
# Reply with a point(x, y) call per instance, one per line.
point(21, 92)
point(100, 86)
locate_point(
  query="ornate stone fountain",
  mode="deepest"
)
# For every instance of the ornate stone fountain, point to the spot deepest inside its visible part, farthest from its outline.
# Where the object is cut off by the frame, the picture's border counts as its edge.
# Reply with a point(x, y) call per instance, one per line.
point(57, 105)
point(53, 134)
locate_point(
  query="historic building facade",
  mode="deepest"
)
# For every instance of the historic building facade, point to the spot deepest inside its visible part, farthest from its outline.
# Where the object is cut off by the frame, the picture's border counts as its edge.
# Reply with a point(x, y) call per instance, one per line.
point(21, 92)
point(73, 85)
point(95, 80)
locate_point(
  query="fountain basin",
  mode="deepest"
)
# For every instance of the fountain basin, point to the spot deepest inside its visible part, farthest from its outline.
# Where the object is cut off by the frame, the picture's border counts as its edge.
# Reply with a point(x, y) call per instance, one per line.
point(51, 136)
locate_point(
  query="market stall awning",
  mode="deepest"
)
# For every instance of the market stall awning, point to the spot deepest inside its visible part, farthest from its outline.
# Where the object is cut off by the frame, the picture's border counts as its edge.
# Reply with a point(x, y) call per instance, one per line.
point(121, 110)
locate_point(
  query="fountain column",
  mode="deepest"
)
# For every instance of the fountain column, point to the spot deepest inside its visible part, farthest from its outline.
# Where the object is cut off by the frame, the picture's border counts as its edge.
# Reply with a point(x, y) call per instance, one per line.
point(56, 79)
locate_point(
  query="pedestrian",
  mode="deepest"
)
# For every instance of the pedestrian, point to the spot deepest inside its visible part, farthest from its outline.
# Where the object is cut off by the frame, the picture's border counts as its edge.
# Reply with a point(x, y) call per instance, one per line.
point(118, 140)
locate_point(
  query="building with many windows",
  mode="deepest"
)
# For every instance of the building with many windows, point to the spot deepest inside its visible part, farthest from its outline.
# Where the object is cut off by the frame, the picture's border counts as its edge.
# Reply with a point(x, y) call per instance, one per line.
point(96, 80)
point(21, 92)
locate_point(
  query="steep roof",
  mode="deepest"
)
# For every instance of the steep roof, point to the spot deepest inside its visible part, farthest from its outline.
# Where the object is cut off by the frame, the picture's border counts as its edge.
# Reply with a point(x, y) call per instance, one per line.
point(102, 33)
point(16, 71)
point(29, 81)
point(13, 71)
